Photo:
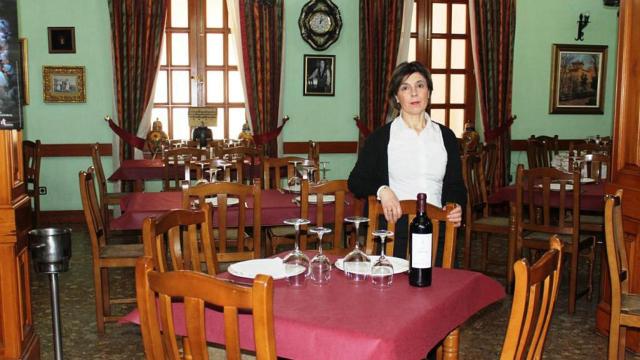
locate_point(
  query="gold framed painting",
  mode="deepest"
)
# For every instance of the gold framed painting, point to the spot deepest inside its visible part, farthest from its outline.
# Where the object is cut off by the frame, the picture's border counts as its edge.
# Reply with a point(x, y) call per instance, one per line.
point(64, 84)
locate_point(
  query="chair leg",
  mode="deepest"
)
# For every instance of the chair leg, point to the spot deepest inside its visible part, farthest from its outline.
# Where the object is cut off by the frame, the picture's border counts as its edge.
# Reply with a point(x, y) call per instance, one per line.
point(592, 260)
point(106, 304)
point(622, 338)
point(466, 262)
point(485, 251)
point(97, 280)
point(573, 282)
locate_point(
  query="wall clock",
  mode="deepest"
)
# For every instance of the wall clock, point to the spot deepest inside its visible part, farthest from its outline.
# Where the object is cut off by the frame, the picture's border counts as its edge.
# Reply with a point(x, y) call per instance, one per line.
point(320, 23)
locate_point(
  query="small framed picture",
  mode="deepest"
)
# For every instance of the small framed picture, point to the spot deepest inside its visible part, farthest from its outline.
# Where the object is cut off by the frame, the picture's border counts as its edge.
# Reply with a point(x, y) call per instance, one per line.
point(577, 79)
point(319, 75)
point(64, 84)
point(62, 40)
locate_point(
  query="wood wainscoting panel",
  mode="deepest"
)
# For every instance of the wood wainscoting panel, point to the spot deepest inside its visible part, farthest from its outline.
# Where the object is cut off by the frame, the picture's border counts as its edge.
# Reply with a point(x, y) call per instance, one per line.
point(326, 147)
point(71, 150)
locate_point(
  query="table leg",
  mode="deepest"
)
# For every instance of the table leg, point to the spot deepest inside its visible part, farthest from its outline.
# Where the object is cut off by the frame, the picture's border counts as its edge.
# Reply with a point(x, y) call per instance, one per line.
point(512, 247)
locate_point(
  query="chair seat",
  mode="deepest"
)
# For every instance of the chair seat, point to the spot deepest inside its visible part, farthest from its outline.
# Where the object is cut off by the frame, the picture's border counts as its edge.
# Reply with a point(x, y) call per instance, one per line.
point(492, 220)
point(282, 231)
point(121, 251)
point(544, 237)
point(630, 304)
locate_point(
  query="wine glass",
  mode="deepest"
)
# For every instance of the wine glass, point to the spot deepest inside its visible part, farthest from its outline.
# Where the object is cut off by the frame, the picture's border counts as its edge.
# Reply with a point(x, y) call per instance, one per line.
point(320, 266)
point(382, 270)
point(356, 263)
point(294, 182)
point(296, 263)
point(323, 169)
point(307, 169)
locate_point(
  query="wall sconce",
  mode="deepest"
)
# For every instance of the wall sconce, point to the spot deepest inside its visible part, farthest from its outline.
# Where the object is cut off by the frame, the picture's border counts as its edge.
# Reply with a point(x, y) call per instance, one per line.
point(583, 21)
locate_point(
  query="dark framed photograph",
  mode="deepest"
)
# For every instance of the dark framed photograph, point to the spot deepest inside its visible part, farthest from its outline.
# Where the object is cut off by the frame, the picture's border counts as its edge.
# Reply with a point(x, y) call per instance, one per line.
point(319, 75)
point(62, 40)
point(64, 84)
point(577, 79)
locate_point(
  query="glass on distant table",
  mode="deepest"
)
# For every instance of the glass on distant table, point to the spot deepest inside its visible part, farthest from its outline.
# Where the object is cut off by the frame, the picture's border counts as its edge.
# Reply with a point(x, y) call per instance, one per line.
point(323, 170)
point(294, 182)
point(382, 269)
point(356, 264)
point(320, 266)
point(296, 263)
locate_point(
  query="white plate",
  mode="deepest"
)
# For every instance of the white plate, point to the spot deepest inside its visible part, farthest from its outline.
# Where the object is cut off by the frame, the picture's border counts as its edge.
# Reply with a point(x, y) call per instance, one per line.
point(399, 265)
point(313, 198)
point(214, 201)
point(251, 268)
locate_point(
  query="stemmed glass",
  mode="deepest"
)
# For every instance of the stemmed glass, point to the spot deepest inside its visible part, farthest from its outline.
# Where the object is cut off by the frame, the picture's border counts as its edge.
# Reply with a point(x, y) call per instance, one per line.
point(296, 263)
point(294, 182)
point(307, 170)
point(320, 266)
point(323, 169)
point(356, 263)
point(382, 270)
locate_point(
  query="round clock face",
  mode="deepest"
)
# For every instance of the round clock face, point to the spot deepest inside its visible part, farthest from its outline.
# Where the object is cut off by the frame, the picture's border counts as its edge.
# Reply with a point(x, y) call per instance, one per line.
point(320, 23)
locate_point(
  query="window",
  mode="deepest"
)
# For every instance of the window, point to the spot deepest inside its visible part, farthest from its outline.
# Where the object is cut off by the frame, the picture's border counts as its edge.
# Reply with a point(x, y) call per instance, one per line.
point(440, 39)
point(198, 67)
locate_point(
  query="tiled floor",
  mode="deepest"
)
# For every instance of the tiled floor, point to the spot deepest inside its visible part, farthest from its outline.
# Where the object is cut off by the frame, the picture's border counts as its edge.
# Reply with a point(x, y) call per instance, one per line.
point(570, 336)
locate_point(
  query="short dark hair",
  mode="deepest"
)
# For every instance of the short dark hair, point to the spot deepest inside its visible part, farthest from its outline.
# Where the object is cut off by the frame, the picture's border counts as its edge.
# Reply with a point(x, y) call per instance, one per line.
point(400, 72)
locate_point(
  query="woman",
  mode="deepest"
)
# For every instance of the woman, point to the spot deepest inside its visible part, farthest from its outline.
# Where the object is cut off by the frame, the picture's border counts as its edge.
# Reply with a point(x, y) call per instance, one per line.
point(410, 155)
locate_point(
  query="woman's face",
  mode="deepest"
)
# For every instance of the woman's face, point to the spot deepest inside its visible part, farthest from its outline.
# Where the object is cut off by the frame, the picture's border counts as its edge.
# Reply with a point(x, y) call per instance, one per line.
point(413, 94)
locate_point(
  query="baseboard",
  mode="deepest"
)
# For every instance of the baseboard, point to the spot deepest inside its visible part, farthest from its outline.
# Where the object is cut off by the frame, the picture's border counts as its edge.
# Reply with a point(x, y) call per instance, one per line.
point(61, 217)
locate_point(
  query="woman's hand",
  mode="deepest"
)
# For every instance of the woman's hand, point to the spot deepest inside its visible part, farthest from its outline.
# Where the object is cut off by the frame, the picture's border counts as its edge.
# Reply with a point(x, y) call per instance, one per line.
point(455, 216)
point(390, 205)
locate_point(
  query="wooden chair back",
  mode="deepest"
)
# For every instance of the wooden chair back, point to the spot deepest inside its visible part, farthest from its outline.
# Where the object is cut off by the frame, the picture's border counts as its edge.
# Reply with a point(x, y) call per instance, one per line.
point(241, 155)
point(233, 242)
point(582, 148)
point(185, 236)
point(178, 165)
point(490, 162)
point(593, 166)
point(313, 153)
point(197, 290)
point(274, 169)
point(551, 143)
point(92, 210)
point(435, 214)
point(31, 166)
point(534, 298)
point(336, 188)
point(474, 180)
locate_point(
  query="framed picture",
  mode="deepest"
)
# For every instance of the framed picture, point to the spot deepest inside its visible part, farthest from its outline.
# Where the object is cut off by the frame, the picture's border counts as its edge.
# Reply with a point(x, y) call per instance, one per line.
point(62, 40)
point(63, 84)
point(24, 70)
point(10, 79)
point(577, 79)
point(319, 75)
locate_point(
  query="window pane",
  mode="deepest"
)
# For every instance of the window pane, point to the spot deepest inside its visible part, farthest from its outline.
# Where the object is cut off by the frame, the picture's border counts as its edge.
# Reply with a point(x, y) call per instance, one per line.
point(414, 18)
point(439, 88)
point(218, 131)
point(215, 88)
point(236, 93)
point(161, 114)
point(163, 50)
point(179, 49)
point(437, 115)
point(236, 120)
point(457, 89)
point(458, 55)
point(458, 18)
point(181, 123)
point(412, 49)
point(456, 121)
point(161, 87)
point(180, 86)
point(439, 18)
point(232, 51)
point(214, 49)
point(214, 13)
point(438, 53)
point(180, 13)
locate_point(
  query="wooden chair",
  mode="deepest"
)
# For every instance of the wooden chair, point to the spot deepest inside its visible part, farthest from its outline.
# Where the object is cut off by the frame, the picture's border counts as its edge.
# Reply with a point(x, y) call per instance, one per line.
point(336, 188)
point(232, 240)
point(537, 218)
point(593, 166)
point(477, 216)
point(534, 298)
point(244, 155)
point(156, 290)
point(540, 150)
point(490, 162)
point(625, 306)
point(275, 168)
point(582, 148)
point(186, 236)
point(107, 199)
point(177, 166)
point(104, 256)
point(31, 163)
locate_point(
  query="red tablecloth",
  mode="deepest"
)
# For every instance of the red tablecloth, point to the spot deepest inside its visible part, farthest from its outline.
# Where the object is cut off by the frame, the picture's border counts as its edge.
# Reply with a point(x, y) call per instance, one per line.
point(343, 321)
point(275, 208)
point(591, 197)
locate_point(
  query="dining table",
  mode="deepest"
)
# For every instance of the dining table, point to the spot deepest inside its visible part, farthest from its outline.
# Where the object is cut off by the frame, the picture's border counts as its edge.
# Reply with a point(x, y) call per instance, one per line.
point(340, 320)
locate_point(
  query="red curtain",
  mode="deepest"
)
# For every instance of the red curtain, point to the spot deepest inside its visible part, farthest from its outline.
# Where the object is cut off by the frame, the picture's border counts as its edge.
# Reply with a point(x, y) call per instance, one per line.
point(261, 27)
point(493, 24)
point(380, 29)
point(137, 27)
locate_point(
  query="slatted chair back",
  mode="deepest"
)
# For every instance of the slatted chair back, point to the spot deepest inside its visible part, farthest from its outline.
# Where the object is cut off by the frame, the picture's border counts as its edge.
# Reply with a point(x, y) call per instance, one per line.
point(275, 168)
point(230, 202)
point(178, 165)
point(244, 155)
point(490, 162)
point(582, 148)
point(157, 293)
point(337, 189)
point(534, 298)
point(181, 240)
point(435, 214)
point(31, 157)
point(593, 166)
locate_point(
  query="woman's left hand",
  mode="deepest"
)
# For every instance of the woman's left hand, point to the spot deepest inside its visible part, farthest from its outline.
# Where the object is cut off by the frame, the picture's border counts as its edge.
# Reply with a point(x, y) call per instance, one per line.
point(455, 216)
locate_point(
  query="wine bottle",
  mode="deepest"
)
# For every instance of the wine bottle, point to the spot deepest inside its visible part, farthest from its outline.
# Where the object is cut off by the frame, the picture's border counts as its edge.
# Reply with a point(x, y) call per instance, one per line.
point(420, 244)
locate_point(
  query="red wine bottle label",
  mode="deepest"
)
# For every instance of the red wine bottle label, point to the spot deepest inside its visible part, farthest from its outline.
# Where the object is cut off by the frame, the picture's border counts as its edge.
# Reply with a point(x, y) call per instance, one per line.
point(421, 251)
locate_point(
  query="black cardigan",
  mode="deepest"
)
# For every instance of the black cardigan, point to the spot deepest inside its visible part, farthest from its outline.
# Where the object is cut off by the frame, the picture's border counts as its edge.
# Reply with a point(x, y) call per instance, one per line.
point(372, 168)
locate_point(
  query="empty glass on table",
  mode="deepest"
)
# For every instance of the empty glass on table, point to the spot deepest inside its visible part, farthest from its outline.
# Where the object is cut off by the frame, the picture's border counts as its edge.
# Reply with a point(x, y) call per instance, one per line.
point(320, 266)
point(356, 264)
point(382, 269)
point(294, 182)
point(296, 263)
